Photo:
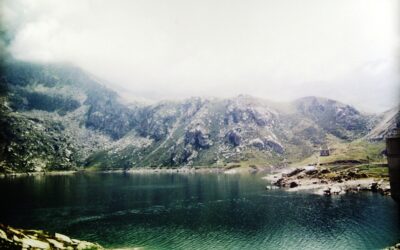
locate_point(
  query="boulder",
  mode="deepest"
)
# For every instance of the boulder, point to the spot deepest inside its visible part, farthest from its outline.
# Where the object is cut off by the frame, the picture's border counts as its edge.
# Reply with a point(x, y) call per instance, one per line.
point(293, 184)
point(3, 235)
point(325, 171)
point(294, 172)
point(275, 146)
point(374, 186)
point(267, 144)
point(63, 238)
point(384, 190)
point(351, 174)
point(35, 244)
point(311, 172)
point(257, 143)
point(326, 191)
point(56, 244)
point(280, 182)
point(234, 138)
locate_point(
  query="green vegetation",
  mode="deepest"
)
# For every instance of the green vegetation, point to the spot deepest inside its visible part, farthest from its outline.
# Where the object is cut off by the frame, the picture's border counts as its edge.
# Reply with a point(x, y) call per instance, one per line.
point(361, 155)
point(360, 151)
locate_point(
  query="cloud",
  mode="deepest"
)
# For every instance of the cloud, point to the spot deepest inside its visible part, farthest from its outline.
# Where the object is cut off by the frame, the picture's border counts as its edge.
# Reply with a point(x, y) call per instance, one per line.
point(179, 48)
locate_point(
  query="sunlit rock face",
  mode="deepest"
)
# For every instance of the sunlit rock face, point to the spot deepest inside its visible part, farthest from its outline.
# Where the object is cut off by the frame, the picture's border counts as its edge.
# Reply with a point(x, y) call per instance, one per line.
point(387, 124)
point(12, 238)
point(59, 117)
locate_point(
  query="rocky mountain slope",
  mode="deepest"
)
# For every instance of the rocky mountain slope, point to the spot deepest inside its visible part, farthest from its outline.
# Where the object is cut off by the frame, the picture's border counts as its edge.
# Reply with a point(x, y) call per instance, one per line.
point(59, 117)
point(388, 122)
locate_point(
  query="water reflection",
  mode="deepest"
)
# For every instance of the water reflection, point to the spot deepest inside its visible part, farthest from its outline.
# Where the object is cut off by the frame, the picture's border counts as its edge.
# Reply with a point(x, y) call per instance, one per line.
point(180, 211)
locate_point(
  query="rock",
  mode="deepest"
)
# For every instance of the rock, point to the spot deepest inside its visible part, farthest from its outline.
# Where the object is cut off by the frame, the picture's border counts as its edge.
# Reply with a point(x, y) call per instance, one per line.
point(350, 175)
point(384, 190)
point(336, 190)
point(234, 138)
point(310, 167)
point(198, 138)
point(311, 172)
point(374, 187)
point(280, 182)
point(337, 178)
point(56, 244)
point(3, 235)
point(294, 172)
point(325, 171)
point(108, 115)
point(267, 144)
point(35, 243)
point(63, 238)
point(326, 191)
point(274, 145)
point(11, 238)
point(258, 143)
point(293, 184)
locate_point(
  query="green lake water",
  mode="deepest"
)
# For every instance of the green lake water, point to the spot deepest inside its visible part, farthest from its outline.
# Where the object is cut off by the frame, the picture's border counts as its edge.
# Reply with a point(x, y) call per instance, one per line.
point(196, 211)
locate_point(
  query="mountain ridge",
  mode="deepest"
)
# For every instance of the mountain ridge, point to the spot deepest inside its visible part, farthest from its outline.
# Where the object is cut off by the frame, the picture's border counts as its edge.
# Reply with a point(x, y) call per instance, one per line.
point(98, 130)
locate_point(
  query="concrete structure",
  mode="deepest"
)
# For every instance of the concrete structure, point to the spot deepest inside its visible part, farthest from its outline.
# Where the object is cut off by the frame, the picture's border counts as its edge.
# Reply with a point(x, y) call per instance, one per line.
point(393, 156)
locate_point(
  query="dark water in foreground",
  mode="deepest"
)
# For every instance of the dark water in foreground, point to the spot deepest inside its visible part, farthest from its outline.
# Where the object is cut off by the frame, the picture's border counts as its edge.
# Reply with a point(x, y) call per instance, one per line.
point(196, 211)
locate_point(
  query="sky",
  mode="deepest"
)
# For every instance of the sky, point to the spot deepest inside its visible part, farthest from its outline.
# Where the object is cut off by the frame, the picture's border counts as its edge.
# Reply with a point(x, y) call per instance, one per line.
point(280, 50)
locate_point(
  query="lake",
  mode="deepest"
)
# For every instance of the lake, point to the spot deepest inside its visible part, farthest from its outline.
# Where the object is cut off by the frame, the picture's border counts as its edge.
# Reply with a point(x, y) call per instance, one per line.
point(196, 211)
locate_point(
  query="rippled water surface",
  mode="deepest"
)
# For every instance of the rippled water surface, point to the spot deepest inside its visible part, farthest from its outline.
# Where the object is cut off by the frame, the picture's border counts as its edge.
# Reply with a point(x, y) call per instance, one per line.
point(196, 211)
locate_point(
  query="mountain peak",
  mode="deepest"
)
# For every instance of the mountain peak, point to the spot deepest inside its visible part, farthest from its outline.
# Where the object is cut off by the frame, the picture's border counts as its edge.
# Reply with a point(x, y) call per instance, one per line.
point(88, 119)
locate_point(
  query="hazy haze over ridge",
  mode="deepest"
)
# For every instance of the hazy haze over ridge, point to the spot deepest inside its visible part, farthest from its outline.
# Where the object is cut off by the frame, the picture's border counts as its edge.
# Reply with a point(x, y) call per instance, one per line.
point(347, 50)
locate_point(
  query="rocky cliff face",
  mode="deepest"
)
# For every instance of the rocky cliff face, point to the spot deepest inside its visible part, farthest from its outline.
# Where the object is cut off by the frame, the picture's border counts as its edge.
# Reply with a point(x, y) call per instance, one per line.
point(334, 117)
point(58, 117)
point(388, 123)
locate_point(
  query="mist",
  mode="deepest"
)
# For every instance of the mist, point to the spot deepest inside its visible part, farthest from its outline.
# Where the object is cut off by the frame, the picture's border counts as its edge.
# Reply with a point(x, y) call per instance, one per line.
point(346, 50)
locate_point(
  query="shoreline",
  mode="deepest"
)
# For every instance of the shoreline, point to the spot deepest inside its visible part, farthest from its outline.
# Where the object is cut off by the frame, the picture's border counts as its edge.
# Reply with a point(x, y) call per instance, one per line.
point(323, 181)
point(13, 238)
point(146, 170)
point(318, 180)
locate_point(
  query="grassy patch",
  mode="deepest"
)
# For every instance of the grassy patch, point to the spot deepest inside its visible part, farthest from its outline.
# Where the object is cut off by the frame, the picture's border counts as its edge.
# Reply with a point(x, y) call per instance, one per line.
point(340, 151)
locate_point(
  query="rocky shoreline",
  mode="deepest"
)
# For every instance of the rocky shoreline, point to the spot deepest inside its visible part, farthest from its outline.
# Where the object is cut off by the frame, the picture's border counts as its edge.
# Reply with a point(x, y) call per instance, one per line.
point(326, 182)
point(227, 170)
point(395, 247)
point(12, 238)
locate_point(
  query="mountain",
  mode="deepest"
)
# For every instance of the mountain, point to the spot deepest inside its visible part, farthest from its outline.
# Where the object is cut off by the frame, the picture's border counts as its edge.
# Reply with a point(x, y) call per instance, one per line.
point(57, 117)
point(336, 118)
point(388, 122)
